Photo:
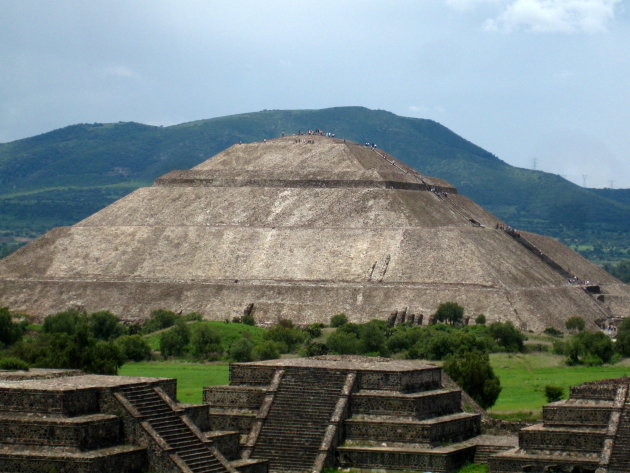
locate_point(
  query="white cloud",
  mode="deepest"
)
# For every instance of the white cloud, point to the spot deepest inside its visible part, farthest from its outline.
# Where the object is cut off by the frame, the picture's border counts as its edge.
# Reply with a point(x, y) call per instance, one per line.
point(555, 16)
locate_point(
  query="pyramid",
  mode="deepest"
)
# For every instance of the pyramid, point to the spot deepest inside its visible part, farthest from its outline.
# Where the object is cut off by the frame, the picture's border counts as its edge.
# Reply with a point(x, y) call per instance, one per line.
point(305, 227)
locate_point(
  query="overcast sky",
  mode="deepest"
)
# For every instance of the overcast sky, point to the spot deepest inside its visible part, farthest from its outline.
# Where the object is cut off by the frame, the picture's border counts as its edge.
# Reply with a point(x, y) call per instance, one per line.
point(542, 83)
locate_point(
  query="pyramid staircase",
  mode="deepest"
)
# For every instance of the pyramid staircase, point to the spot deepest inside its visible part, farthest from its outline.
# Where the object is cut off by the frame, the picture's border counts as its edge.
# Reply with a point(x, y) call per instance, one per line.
point(180, 437)
point(620, 457)
point(295, 427)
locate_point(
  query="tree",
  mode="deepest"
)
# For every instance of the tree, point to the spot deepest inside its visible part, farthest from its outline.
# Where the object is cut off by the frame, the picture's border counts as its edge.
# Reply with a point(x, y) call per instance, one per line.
point(622, 346)
point(372, 337)
point(449, 312)
point(575, 324)
point(160, 319)
point(206, 343)
point(507, 336)
point(10, 332)
point(134, 347)
point(344, 343)
point(480, 319)
point(241, 350)
point(473, 373)
point(174, 341)
point(338, 320)
point(65, 322)
point(591, 348)
point(266, 350)
point(288, 336)
point(105, 326)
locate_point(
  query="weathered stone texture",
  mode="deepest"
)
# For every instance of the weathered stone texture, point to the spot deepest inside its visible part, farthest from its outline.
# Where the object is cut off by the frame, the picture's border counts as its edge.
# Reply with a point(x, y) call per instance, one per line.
point(302, 231)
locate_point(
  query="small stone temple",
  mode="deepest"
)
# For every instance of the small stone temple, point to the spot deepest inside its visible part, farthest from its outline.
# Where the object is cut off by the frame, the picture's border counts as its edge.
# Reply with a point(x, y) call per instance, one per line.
point(302, 228)
point(588, 433)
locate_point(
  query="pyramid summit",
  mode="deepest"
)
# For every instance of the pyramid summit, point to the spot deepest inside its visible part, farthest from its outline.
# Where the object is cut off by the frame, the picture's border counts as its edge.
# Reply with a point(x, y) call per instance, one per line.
point(304, 227)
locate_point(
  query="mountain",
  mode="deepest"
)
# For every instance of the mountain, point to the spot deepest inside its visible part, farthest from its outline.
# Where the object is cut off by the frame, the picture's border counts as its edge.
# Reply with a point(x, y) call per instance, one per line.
point(60, 177)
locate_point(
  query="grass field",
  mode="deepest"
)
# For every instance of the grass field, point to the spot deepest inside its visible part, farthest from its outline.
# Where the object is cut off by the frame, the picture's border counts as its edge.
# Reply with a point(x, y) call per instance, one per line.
point(227, 332)
point(524, 377)
point(191, 377)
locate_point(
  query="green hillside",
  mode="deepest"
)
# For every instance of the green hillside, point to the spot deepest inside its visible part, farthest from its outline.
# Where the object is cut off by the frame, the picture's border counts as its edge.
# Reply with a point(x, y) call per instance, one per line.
point(65, 175)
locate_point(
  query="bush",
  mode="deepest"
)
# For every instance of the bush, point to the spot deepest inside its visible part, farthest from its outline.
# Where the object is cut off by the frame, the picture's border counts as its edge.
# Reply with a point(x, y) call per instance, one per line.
point(591, 348)
point(622, 345)
point(449, 312)
point(315, 349)
point(174, 342)
point(10, 332)
point(267, 350)
point(241, 350)
point(314, 330)
point(480, 319)
point(68, 322)
point(134, 347)
point(554, 393)
point(160, 319)
point(434, 344)
point(288, 336)
point(507, 336)
point(344, 343)
point(104, 358)
point(338, 320)
point(105, 326)
point(206, 343)
point(372, 338)
point(473, 373)
point(12, 363)
point(554, 332)
point(248, 320)
point(576, 324)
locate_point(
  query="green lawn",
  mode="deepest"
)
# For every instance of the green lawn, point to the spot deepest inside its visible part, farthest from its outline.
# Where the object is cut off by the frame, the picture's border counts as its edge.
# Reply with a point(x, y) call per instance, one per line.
point(191, 377)
point(524, 376)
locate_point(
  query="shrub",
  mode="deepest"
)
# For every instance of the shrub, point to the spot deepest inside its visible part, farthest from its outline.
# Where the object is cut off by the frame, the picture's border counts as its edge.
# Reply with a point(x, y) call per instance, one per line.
point(592, 348)
point(554, 393)
point(12, 363)
point(68, 322)
point(206, 343)
point(338, 320)
point(174, 342)
point(314, 330)
point(622, 346)
point(449, 312)
point(480, 319)
point(575, 324)
point(104, 358)
point(105, 326)
point(289, 337)
point(248, 319)
point(267, 350)
point(372, 337)
point(241, 350)
point(473, 373)
point(554, 332)
point(160, 319)
point(344, 343)
point(315, 349)
point(507, 336)
point(134, 347)
point(193, 317)
point(10, 332)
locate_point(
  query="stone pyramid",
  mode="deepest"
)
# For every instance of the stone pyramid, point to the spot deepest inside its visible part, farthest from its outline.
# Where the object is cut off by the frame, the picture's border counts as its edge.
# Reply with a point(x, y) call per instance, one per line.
point(304, 227)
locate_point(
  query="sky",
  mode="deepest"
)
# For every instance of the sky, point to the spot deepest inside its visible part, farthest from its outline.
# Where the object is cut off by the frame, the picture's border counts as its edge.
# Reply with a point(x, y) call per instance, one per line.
point(542, 84)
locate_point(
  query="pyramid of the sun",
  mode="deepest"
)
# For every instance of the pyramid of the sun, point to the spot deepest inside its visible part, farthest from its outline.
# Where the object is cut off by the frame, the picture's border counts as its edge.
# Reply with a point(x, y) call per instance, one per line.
point(304, 227)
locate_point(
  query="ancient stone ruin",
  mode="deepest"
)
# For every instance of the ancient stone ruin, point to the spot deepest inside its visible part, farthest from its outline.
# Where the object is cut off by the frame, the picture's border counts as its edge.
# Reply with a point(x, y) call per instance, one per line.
point(296, 416)
point(588, 433)
point(280, 416)
point(304, 228)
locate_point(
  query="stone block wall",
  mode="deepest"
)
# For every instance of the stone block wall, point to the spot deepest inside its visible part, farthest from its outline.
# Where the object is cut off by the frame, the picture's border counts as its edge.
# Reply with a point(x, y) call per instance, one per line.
point(562, 413)
point(234, 397)
point(401, 381)
point(538, 438)
point(255, 375)
point(69, 402)
point(422, 405)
